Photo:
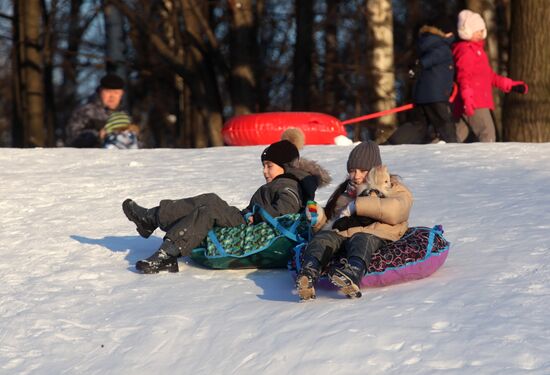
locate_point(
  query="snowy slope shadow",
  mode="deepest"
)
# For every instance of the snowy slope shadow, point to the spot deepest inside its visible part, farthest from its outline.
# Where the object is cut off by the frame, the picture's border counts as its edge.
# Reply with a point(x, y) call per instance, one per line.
point(136, 247)
point(277, 285)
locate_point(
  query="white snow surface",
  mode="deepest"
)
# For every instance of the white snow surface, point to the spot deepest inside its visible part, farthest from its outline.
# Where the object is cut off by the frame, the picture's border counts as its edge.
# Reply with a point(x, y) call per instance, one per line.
point(71, 301)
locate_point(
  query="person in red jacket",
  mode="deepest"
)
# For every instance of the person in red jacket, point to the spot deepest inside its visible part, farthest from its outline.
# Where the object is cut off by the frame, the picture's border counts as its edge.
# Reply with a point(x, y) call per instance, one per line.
point(475, 79)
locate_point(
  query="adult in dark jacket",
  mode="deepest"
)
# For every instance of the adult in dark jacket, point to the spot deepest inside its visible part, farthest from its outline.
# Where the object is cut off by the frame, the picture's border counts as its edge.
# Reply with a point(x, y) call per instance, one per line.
point(84, 129)
point(434, 82)
point(290, 182)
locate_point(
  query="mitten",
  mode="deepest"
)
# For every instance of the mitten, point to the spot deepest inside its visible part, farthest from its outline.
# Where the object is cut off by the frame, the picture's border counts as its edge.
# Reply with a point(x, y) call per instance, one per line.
point(311, 212)
point(520, 87)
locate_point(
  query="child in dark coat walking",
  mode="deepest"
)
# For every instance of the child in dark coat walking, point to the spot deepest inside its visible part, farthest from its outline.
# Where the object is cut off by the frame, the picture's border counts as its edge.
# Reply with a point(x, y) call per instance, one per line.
point(434, 83)
point(290, 182)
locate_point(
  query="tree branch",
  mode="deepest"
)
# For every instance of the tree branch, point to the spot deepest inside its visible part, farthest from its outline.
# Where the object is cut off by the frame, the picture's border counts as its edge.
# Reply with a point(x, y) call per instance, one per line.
point(162, 47)
point(7, 17)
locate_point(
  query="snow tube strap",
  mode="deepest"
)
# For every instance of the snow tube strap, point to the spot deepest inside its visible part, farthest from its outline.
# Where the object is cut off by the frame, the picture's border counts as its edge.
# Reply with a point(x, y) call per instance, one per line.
point(289, 233)
point(436, 229)
point(216, 243)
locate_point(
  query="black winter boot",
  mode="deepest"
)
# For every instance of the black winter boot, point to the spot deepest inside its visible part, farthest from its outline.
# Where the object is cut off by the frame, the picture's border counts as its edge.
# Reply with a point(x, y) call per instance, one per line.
point(159, 261)
point(307, 277)
point(347, 276)
point(145, 219)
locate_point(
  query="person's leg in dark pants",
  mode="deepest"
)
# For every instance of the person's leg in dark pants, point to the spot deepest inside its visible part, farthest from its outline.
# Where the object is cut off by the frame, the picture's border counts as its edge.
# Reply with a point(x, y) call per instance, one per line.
point(165, 215)
point(187, 222)
point(189, 231)
point(170, 211)
point(315, 257)
point(423, 124)
point(439, 115)
point(348, 274)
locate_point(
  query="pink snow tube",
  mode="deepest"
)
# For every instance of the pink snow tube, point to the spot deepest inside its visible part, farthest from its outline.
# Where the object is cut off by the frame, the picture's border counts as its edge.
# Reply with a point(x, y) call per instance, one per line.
point(266, 128)
point(418, 254)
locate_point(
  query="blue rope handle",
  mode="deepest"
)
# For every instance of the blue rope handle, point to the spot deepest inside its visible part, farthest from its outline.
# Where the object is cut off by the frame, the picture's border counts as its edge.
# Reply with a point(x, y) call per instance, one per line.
point(436, 229)
point(298, 255)
point(216, 242)
point(288, 233)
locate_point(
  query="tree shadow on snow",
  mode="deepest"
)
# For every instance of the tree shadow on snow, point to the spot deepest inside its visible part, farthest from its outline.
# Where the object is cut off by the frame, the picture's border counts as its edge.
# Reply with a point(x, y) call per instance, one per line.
point(277, 284)
point(136, 247)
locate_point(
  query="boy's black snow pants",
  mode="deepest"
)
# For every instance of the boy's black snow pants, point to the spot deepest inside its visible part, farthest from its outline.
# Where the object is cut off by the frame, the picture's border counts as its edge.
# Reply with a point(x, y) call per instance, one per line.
point(187, 221)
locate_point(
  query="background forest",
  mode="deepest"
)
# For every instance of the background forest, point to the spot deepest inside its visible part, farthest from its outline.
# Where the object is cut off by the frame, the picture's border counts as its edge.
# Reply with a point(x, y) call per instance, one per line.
point(192, 64)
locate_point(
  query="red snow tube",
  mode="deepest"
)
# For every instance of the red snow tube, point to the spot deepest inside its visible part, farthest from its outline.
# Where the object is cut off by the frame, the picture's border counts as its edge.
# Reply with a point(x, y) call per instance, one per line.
point(266, 128)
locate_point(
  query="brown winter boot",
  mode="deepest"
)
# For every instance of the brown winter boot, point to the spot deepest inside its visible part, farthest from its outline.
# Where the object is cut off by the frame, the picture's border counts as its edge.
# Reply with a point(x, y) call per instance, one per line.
point(347, 276)
point(307, 277)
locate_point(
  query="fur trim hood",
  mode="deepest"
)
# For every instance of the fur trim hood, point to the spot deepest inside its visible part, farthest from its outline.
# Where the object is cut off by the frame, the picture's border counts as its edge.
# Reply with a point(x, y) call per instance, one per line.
point(315, 169)
point(427, 29)
point(298, 138)
point(310, 176)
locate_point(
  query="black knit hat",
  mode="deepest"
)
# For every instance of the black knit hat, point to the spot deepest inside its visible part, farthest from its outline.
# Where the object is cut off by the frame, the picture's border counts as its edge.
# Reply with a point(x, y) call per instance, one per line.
point(111, 81)
point(280, 153)
point(364, 156)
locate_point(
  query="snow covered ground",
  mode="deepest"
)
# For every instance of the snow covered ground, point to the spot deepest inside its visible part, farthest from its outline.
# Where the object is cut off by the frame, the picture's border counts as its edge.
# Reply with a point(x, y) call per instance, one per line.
point(72, 303)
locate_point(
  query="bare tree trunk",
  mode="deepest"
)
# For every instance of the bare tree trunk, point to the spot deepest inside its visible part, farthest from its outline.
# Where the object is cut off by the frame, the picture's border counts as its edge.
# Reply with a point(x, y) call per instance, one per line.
point(183, 104)
point(302, 55)
point(503, 20)
point(69, 63)
point(29, 21)
point(381, 64)
point(261, 84)
point(361, 91)
point(244, 57)
point(205, 93)
point(527, 117)
point(18, 132)
point(49, 50)
point(115, 45)
point(414, 13)
point(331, 57)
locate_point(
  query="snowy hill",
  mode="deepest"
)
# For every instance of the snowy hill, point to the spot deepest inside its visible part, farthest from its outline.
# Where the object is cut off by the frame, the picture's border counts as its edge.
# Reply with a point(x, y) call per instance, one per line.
point(72, 303)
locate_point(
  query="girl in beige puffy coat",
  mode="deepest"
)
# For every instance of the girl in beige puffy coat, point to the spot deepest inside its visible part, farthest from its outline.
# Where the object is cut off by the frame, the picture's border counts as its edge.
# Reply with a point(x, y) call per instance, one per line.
point(374, 222)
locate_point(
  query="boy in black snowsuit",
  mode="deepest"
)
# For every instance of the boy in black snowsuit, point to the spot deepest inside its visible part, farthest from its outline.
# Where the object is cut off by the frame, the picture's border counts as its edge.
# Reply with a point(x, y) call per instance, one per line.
point(290, 182)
